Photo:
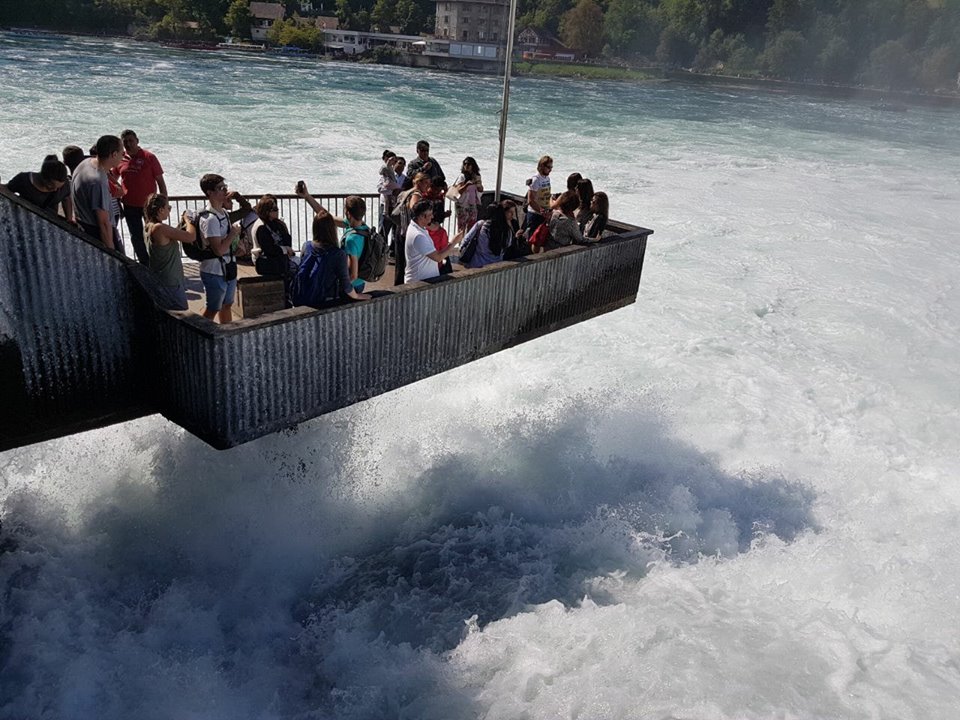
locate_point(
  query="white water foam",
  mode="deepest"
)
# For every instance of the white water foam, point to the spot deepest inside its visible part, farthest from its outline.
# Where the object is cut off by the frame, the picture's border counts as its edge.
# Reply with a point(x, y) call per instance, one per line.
point(731, 500)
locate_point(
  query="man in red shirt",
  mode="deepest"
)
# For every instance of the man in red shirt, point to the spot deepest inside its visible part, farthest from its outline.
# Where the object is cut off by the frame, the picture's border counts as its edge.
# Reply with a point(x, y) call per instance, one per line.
point(142, 176)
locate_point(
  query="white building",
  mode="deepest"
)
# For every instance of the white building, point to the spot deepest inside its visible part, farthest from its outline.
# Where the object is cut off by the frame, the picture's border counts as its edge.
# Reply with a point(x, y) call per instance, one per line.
point(354, 42)
point(263, 15)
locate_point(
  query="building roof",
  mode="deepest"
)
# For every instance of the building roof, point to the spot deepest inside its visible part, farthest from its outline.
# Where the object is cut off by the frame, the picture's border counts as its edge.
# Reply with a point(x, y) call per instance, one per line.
point(327, 22)
point(544, 38)
point(267, 11)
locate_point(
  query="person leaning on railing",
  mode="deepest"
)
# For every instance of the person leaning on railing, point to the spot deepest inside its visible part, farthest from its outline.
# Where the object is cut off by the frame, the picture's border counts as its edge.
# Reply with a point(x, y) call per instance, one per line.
point(422, 257)
point(47, 188)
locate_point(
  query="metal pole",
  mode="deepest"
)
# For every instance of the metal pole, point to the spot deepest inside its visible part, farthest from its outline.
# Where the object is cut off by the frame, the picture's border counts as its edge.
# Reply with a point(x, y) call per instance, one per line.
point(505, 108)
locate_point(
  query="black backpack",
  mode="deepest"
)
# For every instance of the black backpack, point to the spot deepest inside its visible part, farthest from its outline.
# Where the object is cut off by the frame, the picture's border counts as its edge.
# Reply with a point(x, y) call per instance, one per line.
point(198, 249)
point(373, 259)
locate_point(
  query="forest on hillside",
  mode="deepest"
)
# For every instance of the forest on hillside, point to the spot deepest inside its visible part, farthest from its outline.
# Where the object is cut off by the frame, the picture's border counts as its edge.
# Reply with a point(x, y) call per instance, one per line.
point(899, 44)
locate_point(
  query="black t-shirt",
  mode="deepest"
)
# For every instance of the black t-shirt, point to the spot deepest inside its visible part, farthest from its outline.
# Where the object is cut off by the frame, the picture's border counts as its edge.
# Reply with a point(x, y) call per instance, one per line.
point(271, 236)
point(22, 186)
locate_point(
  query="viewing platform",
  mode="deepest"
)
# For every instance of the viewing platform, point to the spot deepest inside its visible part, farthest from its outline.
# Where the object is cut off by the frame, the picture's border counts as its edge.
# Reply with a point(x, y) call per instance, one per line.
point(83, 345)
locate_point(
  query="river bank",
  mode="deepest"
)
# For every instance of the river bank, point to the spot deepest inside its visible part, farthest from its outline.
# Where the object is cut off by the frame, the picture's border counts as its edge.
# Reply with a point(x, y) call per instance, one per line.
point(888, 99)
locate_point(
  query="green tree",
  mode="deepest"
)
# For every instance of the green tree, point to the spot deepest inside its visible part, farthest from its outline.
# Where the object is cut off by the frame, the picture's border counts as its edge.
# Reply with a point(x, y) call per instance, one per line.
point(688, 18)
point(542, 14)
point(835, 63)
point(382, 15)
point(354, 14)
point(785, 55)
point(741, 58)
point(940, 68)
point(275, 33)
point(582, 27)
point(621, 25)
point(674, 48)
point(891, 66)
point(631, 27)
point(409, 16)
point(711, 53)
point(238, 18)
point(790, 15)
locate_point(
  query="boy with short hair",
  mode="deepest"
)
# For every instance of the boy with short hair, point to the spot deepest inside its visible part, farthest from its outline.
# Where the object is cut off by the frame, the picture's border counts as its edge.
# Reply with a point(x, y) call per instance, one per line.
point(90, 191)
point(354, 237)
point(219, 273)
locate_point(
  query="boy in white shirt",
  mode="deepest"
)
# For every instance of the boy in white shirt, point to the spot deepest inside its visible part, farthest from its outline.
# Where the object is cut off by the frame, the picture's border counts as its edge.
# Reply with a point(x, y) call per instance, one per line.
point(218, 271)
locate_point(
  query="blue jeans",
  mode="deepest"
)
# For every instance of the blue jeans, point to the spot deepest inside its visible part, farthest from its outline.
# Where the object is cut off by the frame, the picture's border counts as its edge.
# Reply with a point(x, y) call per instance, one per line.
point(533, 221)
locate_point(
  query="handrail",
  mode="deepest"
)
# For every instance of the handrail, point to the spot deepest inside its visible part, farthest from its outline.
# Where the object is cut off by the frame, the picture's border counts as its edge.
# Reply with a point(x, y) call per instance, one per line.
point(115, 355)
point(296, 212)
point(293, 210)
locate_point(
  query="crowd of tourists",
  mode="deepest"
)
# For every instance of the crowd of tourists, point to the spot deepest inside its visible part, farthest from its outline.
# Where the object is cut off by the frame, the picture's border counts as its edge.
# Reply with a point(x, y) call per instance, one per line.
point(117, 178)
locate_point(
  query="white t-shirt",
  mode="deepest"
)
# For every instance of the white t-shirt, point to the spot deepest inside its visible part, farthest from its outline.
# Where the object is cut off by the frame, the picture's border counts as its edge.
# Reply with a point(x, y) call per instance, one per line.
point(540, 185)
point(215, 224)
point(418, 244)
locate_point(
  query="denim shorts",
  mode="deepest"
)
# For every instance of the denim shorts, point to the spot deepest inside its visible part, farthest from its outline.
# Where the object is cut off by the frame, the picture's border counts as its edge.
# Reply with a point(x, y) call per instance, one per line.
point(220, 292)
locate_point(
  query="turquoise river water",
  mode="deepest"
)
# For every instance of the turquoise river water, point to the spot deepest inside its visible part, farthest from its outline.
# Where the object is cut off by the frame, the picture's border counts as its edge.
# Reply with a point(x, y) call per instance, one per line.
point(737, 498)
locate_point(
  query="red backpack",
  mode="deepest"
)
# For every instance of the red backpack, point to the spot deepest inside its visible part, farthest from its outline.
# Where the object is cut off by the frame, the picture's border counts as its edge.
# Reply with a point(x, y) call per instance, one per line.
point(540, 236)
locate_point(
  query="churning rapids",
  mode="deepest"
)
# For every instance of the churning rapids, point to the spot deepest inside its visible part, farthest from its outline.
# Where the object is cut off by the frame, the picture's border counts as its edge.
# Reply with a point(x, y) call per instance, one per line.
point(737, 498)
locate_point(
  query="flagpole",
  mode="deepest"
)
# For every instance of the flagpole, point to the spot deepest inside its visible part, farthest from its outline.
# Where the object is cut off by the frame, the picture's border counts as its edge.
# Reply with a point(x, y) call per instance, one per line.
point(505, 107)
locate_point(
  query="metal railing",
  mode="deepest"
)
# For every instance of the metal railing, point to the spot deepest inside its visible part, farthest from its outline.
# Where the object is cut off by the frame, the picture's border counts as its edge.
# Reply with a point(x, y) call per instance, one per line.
point(294, 211)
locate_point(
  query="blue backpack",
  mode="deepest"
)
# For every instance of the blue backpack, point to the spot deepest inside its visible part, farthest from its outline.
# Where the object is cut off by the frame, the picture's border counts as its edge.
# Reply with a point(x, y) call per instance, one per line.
point(316, 283)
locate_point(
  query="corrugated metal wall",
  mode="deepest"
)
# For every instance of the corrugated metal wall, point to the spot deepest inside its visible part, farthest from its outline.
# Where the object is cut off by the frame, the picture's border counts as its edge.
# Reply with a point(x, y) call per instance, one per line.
point(230, 385)
point(81, 344)
point(67, 318)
